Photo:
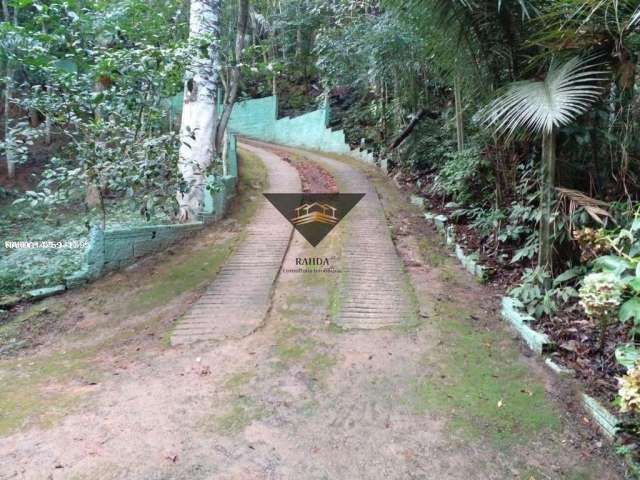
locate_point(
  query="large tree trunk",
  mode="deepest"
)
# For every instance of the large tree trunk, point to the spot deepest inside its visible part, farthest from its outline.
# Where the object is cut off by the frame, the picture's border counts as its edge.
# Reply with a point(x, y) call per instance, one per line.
point(548, 174)
point(234, 80)
point(199, 115)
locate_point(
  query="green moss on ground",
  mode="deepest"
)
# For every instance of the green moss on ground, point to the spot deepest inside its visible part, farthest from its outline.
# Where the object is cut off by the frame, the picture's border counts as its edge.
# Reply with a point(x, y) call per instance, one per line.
point(238, 380)
point(292, 343)
point(480, 382)
point(320, 365)
point(432, 256)
point(301, 344)
point(199, 267)
point(581, 473)
point(410, 321)
point(254, 179)
point(32, 321)
point(242, 407)
point(35, 392)
point(242, 411)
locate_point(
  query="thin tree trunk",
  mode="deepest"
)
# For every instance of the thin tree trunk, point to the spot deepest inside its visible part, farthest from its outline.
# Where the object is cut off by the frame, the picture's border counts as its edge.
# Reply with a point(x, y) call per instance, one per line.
point(8, 136)
point(93, 191)
point(298, 43)
point(9, 141)
point(459, 119)
point(234, 81)
point(47, 130)
point(548, 173)
point(274, 54)
point(199, 112)
point(47, 119)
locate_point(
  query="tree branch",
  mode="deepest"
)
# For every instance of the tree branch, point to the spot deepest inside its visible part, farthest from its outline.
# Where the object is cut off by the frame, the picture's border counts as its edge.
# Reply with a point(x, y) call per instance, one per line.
point(412, 124)
point(234, 80)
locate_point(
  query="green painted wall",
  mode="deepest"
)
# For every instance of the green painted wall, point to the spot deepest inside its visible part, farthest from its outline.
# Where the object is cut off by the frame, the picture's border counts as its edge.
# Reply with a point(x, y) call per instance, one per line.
point(257, 118)
point(124, 246)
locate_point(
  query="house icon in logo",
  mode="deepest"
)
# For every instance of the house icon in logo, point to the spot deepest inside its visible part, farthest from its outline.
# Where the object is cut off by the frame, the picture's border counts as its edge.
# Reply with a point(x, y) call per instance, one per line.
point(314, 215)
point(315, 212)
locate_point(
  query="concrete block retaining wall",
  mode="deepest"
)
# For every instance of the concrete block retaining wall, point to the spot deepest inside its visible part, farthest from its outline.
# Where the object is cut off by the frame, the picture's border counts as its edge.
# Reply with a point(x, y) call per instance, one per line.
point(258, 118)
point(124, 246)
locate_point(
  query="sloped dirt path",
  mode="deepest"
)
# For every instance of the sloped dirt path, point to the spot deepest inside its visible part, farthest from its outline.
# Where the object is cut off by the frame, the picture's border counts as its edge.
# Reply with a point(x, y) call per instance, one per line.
point(448, 396)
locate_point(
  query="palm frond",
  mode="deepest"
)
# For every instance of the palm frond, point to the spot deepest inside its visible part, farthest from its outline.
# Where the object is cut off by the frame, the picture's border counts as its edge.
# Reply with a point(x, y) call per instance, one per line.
point(575, 199)
point(635, 18)
point(539, 106)
point(259, 23)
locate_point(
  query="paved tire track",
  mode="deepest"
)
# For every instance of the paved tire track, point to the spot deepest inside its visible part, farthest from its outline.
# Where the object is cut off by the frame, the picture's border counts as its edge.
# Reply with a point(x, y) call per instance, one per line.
point(374, 291)
point(239, 298)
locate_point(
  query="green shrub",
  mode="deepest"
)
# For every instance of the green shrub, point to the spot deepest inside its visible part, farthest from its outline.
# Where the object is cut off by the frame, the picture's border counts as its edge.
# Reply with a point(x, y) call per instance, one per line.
point(464, 177)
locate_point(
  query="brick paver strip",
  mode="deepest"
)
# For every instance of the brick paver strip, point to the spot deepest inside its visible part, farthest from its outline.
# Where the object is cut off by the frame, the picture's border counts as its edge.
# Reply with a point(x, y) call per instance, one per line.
point(374, 289)
point(239, 298)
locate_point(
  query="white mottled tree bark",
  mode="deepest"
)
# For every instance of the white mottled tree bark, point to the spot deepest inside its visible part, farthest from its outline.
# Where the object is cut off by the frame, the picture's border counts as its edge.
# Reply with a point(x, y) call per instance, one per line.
point(199, 115)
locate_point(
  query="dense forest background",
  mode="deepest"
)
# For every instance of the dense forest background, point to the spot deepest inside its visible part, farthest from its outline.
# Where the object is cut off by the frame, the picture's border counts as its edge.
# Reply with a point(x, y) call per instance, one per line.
point(517, 119)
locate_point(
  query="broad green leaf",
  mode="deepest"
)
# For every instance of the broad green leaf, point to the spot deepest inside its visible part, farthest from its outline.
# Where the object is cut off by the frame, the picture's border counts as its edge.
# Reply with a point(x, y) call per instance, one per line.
point(567, 275)
point(635, 284)
point(630, 310)
point(21, 3)
point(627, 355)
point(611, 263)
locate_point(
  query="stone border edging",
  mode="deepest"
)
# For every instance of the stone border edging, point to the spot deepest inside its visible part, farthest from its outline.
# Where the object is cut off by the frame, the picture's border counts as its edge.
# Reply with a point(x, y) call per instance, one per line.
point(440, 221)
point(605, 419)
point(40, 293)
point(608, 425)
point(538, 342)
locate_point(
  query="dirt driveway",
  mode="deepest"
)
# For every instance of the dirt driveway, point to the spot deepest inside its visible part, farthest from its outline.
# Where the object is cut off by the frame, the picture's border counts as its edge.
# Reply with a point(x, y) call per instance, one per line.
point(448, 395)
